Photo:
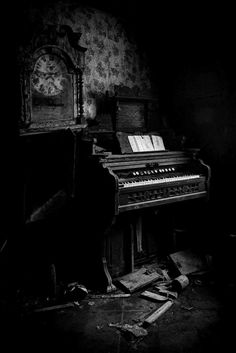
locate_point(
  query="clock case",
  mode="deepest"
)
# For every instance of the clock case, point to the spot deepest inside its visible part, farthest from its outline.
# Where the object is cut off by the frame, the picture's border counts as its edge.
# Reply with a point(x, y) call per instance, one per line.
point(39, 112)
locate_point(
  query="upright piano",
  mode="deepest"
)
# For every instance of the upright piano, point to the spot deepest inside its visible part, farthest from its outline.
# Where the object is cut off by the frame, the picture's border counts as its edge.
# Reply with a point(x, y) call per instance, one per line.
point(129, 183)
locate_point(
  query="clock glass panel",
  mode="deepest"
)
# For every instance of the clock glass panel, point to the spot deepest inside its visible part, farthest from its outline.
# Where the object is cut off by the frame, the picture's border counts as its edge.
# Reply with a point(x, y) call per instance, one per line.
point(48, 75)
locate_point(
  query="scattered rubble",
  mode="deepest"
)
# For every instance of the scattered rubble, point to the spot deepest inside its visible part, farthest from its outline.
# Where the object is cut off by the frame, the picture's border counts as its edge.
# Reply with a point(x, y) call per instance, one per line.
point(110, 296)
point(162, 289)
point(130, 331)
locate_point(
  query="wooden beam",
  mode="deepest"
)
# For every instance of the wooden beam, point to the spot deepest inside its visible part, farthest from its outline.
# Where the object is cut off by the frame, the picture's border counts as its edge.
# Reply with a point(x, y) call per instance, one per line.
point(157, 313)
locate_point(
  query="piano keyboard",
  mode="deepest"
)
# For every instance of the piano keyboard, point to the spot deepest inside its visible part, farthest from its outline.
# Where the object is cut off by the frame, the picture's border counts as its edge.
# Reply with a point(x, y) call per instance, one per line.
point(132, 183)
point(151, 179)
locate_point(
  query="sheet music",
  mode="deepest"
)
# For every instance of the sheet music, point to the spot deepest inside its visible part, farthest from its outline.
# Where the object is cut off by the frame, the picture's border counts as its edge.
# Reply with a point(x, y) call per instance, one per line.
point(140, 143)
point(133, 143)
point(158, 143)
point(146, 143)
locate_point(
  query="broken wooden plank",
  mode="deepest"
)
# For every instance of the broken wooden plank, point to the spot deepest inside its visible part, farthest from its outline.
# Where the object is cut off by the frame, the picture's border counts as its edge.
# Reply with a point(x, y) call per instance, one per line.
point(157, 313)
point(54, 307)
point(138, 279)
point(167, 293)
point(166, 275)
point(154, 296)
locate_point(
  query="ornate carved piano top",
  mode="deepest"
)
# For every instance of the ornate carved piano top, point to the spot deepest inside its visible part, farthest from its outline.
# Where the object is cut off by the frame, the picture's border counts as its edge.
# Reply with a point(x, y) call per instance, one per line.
point(120, 183)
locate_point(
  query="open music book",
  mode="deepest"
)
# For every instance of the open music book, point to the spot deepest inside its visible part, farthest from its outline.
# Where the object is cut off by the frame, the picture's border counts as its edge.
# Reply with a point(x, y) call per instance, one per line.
point(146, 143)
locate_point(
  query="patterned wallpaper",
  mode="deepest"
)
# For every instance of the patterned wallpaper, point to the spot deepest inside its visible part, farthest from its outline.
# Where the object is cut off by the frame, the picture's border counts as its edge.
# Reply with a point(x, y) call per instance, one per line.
point(112, 56)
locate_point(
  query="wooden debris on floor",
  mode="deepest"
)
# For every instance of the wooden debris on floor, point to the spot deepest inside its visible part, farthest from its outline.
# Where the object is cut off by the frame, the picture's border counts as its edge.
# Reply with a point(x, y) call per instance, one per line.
point(187, 261)
point(157, 313)
point(166, 275)
point(55, 307)
point(168, 293)
point(153, 296)
point(110, 296)
point(163, 285)
point(139, 279)
point(132, 330)
point(174, 286)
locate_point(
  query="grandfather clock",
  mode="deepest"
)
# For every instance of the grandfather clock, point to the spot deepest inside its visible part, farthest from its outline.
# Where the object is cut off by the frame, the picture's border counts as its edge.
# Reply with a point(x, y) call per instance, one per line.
point(51, 67)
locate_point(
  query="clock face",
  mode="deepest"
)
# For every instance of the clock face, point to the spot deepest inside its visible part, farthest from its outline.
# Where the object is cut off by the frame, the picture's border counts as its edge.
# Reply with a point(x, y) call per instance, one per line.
point(47, 77)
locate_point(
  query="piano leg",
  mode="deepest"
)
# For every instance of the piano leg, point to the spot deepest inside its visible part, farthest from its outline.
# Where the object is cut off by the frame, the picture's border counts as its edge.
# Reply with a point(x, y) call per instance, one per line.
point(110, 286)
point(135, 233)
point(131, 249)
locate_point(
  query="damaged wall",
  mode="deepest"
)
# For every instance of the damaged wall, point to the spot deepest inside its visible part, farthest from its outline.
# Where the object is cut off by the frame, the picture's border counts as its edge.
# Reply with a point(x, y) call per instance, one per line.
point(112, 58)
